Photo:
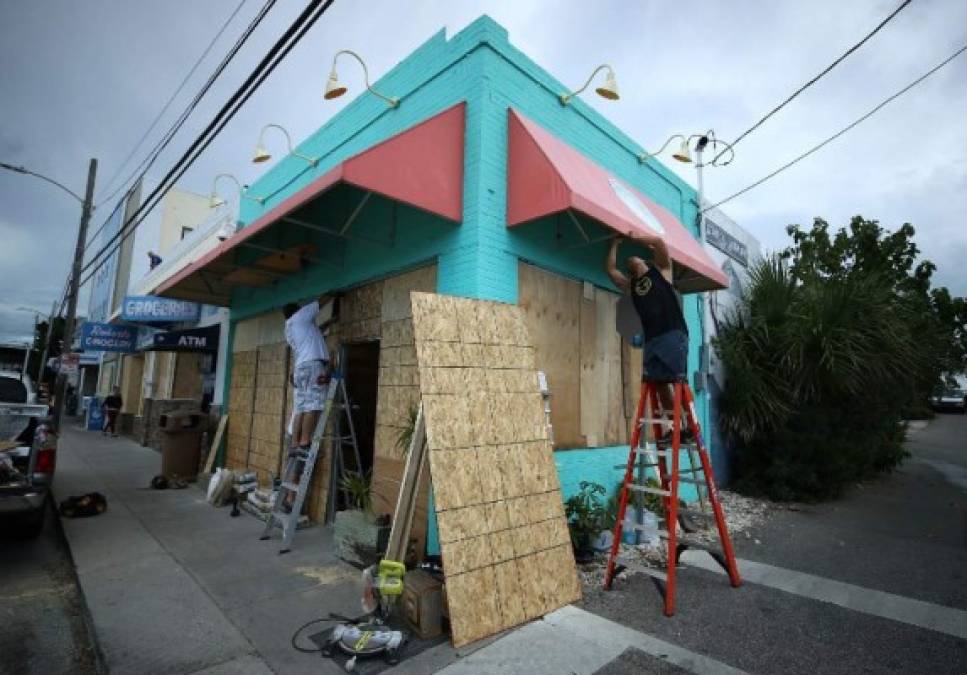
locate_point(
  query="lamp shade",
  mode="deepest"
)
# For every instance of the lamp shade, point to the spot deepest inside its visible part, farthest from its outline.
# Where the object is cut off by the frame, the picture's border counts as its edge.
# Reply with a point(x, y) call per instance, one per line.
point(261, 154)
point(683, 154)
point(609, 89)
point(334, 88)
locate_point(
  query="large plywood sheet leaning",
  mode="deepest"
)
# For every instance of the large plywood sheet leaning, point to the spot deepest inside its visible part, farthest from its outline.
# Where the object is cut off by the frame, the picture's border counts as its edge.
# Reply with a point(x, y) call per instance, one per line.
point(503, 534)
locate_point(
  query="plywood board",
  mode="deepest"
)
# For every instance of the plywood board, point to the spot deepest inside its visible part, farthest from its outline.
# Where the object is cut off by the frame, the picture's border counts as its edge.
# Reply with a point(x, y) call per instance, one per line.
point(551, 306)
point(602, 418)
point(497, 496)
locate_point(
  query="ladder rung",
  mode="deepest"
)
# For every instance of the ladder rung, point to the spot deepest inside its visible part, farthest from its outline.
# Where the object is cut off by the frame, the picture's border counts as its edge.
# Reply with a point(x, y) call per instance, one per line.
point(656, 420)
point(637, 465)
point(648, 489)
point(648, 450)
point(639, 568)
point(290, 486)
point(693, 481)
point(690, 446)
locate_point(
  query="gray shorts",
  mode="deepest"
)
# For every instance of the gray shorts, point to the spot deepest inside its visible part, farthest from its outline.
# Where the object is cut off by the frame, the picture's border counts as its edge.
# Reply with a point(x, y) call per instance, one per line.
point(309, 395)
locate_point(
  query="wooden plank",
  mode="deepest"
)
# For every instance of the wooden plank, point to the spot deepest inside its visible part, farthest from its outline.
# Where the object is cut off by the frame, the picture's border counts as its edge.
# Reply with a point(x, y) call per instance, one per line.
point(592, 385)
point(409, 492)
point(551, 308)
point(288, 261)
point(246, 276)
point(213, 450)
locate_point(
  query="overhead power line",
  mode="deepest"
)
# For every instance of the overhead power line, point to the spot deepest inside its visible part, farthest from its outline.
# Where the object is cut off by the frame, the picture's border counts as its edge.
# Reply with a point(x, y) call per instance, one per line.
point(841, 131)
point(164, 109)
point(159, 147)
point(817, 77)
point(292, 36)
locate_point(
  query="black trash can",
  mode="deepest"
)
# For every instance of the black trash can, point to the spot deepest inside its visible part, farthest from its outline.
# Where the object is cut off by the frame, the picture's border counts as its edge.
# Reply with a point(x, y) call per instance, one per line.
point(180, 445)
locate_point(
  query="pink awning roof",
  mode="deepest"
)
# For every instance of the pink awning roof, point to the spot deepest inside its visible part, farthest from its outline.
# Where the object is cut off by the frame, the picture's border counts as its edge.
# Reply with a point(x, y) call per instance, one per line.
point(546, 176)
point(421, 166)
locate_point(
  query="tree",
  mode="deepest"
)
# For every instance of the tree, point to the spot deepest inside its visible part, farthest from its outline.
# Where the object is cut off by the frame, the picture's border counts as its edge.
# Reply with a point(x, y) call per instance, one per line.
point(40, 340)
point(838, 339)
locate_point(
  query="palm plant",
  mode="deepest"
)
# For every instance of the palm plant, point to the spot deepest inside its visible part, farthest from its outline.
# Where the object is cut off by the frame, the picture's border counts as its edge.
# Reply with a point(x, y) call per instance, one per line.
point(814, 368)
point(357, 486)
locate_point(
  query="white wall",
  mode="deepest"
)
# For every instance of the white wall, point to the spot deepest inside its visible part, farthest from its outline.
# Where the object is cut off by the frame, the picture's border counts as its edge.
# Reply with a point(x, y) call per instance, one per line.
point(720, 303)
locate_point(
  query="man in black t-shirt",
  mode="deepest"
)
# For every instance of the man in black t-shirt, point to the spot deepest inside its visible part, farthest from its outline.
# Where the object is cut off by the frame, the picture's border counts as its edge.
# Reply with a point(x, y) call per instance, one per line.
point(658, 307)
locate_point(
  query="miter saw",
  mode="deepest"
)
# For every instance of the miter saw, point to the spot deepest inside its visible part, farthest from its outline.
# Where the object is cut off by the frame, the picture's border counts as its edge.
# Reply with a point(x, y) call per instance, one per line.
point(370, 635)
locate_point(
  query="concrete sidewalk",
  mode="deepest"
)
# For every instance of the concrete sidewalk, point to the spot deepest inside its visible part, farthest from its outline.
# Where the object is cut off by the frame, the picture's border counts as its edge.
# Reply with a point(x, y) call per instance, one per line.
point(175, 585)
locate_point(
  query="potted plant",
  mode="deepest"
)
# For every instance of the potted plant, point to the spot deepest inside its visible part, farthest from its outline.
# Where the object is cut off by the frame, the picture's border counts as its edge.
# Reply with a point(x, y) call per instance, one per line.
point(587, 515)
point(356, 529)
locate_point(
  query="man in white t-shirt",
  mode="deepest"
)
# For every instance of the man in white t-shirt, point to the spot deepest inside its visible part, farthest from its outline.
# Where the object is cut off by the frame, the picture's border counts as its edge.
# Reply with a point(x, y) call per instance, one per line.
point(311, 371)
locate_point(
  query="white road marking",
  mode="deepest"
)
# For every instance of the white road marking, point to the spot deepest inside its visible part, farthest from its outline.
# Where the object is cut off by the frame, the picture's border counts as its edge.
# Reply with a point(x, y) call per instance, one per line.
point(856, 598)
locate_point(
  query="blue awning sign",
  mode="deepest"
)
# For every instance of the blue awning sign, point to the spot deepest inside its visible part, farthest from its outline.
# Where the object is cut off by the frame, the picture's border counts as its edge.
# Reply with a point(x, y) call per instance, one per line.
point(106, 337)
point(151, 308)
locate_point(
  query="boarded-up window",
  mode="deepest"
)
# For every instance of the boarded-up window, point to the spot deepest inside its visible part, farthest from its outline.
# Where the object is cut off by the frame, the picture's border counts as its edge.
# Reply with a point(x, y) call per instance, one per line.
point(593, 378)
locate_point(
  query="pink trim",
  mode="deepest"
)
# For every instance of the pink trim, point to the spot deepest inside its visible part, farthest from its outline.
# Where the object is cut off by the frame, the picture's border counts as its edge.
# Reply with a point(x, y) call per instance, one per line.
point(545, 176)
point(421, 166)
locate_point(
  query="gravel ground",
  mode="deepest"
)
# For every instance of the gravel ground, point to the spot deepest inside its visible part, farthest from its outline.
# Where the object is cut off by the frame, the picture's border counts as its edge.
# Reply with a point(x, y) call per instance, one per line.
point(741, 513)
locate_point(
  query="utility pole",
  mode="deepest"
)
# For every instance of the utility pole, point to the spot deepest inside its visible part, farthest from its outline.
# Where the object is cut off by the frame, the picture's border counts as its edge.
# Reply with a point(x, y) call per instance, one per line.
point(86, 208)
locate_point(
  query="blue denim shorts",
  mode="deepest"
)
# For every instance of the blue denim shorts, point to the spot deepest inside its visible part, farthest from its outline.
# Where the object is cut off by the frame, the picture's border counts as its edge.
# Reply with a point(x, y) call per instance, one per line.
point(666, 357)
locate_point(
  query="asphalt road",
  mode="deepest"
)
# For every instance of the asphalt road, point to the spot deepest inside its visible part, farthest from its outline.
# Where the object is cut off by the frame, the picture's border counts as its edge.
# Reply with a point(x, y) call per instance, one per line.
point(904, 534)
point(42, 621)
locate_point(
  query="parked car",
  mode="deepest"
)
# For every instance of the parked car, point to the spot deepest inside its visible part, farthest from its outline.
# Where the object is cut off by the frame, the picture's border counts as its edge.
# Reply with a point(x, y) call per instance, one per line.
point(953, 400)
point(28, 455)
point(16, 388)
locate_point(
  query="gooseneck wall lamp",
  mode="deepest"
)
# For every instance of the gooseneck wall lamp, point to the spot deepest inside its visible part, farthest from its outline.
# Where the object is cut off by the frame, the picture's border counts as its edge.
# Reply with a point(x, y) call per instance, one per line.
point(683, 153)
point(335, 88)
point(214, 201)
point(608, 90)
point(262, 155)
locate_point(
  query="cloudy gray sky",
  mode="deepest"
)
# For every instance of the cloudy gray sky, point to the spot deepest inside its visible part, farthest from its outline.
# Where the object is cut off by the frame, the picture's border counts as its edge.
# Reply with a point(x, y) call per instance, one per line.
point(83, 79)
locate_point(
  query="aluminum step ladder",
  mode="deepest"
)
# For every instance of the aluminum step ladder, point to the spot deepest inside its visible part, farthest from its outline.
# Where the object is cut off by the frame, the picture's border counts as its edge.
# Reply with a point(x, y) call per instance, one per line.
point(657, 454)
point(300, 463)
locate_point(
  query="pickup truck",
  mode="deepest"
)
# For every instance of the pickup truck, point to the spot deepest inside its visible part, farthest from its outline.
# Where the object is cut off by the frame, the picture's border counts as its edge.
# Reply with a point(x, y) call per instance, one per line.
point(28, 455)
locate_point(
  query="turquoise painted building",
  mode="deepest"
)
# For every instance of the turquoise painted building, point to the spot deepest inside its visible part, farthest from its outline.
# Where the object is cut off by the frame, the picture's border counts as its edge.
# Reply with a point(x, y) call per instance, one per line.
point(476, 255)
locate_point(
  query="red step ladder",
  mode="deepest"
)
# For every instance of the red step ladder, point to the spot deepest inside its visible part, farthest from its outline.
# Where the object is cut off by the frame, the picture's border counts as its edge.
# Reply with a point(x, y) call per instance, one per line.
point(646, 454)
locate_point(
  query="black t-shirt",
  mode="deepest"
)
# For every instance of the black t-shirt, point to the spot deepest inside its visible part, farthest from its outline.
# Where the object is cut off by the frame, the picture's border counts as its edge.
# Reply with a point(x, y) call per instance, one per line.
point(113, 402)
point(656, 303)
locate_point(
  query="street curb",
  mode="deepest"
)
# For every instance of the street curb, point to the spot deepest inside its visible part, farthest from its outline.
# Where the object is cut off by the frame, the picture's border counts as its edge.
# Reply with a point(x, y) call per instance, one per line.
point(100, 665)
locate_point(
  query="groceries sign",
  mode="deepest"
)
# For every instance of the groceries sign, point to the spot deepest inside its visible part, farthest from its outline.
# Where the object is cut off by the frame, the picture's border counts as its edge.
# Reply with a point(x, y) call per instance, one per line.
point(106, 337)
point(151, 308)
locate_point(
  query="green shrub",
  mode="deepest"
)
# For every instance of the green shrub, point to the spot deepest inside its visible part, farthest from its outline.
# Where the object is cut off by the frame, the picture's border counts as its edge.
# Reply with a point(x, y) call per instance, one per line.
point(836, 341)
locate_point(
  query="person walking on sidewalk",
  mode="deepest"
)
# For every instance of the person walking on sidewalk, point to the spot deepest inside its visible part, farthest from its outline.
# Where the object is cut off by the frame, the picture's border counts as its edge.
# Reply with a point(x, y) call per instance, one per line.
point(111, 409)
point(660, 311)
point(310, 375)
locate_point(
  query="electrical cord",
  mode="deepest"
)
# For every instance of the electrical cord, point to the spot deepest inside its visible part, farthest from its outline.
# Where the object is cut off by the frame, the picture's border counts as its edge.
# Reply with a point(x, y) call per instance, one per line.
point(840, 132)
point(332, 617)
point(816, 78)
point(276, 54)
point(295, 636)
